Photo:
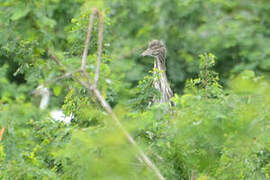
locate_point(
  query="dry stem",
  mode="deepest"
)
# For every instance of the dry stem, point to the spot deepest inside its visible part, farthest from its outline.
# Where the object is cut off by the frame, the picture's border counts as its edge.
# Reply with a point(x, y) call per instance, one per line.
point(100, 40)
point(93, 87)
point(87, 39)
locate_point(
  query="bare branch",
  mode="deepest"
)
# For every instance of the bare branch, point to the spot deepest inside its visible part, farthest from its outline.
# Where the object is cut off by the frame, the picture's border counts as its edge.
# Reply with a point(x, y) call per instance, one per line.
point(88, 37)
point(1, 133)
point(66, 75)
point(145, 158)
point(109, 110)
point(96, 92)
point(100, 40)
point(84, 72)
point(55, 58)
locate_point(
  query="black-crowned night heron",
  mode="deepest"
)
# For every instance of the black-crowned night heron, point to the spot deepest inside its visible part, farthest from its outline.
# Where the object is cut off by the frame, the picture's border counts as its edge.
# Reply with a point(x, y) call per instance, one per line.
point(157, 50)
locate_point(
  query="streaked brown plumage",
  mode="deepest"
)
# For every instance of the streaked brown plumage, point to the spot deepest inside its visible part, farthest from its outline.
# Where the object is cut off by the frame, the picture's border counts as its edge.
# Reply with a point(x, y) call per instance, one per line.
point(157, 50)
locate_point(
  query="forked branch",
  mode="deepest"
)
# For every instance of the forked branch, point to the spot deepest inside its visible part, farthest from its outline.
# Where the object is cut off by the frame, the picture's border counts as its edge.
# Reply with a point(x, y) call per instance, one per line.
point(100, 40)
point(92, 87)
point(88, 38)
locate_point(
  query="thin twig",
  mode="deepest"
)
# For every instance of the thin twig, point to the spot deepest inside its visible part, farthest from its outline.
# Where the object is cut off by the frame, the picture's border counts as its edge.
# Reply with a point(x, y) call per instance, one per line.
point(67, 75)
point(96, 92)
point(100, 40)
point(108, 108)
point(145, 158)
point(55, 58)
point(87, 39)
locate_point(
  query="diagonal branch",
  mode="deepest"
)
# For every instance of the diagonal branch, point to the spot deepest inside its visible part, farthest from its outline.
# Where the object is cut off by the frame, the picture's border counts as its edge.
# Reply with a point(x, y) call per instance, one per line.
point(93, 87)
point(55, 58)
point(87, 40)
point(100, 40)
point(109, 110)
point(145, 158)
point(64, 76)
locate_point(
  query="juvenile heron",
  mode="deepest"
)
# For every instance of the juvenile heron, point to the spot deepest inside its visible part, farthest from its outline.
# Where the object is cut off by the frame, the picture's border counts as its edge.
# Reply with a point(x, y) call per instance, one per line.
point(157, 50)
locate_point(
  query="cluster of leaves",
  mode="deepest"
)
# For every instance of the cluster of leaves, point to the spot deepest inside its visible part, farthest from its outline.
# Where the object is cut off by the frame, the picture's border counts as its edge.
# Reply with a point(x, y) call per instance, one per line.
point(208, 81)
point(145, 92)
point(225, 136)
point(29, 135)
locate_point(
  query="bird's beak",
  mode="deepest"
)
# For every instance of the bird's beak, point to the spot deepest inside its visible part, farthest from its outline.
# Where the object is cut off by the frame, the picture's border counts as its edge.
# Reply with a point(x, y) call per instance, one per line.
point(146, 52)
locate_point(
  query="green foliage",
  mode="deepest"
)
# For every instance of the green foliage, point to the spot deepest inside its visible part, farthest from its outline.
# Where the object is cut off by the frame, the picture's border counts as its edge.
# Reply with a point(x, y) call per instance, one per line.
point(145, 92)
point(207, 83)
point(86, 111)
point(210, 133)
point(108, 156)
point(214, 132)
point(235, 30)
point(222, 137)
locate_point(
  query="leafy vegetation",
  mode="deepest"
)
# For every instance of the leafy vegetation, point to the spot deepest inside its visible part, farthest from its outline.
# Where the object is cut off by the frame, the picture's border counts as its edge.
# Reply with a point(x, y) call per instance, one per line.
point(219, 127)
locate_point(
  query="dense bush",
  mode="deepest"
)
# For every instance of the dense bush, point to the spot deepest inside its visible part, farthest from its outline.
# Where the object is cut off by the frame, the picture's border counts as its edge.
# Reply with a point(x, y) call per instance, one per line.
point(225, 136)
point(218, 128)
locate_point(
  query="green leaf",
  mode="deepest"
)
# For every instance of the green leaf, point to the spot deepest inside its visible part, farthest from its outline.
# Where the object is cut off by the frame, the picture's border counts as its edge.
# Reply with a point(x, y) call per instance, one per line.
point(57, 90)
point(20, 12)
point(45, 21)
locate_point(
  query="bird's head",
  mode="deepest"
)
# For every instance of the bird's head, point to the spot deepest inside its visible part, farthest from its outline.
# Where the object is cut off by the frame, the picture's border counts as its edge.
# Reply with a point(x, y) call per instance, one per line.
point(155, 48)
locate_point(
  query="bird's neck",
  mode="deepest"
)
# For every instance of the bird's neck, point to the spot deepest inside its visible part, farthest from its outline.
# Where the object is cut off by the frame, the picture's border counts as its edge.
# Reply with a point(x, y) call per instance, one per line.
point(44, 101)
point(160, 65)
point(161, 84)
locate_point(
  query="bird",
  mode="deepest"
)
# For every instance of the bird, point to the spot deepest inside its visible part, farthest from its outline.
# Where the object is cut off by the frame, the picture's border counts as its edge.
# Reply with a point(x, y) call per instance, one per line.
point(56, 115)
point(157, 50)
